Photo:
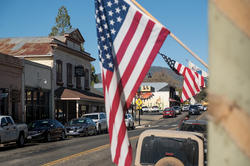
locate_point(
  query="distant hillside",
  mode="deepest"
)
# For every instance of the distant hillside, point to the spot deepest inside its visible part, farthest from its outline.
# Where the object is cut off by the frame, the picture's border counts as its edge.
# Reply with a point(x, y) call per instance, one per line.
point(161, 74)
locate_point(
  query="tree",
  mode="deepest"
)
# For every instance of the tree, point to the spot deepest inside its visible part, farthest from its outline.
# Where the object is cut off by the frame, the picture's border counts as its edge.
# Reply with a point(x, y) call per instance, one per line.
point(62, 22)
point(94, 77)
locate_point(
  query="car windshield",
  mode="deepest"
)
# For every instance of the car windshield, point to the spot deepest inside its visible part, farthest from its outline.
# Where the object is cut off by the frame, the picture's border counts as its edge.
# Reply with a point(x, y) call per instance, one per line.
point(167, 109)
point(155, 148)
point(77, 121)
point(38, 124)
point(91, 116)
point(193, 106)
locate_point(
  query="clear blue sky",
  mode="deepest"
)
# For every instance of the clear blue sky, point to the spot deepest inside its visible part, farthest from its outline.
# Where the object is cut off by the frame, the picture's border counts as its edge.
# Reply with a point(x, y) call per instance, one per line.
point(186, 19)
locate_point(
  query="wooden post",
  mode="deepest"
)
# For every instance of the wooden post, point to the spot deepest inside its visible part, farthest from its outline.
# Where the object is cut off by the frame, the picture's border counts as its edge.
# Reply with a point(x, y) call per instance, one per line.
point(172, 35)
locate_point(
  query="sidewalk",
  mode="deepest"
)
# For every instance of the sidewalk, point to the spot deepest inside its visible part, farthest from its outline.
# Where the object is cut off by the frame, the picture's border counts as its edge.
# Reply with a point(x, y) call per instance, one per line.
point(146, 120)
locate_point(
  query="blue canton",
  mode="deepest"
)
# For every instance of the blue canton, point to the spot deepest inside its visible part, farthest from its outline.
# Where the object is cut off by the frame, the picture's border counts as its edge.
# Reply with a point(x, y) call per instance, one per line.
point(109, 15)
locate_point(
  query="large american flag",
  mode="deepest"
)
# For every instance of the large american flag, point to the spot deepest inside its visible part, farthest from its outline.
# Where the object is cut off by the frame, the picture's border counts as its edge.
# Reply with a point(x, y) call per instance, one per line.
point(128, 41)
point(193, 82)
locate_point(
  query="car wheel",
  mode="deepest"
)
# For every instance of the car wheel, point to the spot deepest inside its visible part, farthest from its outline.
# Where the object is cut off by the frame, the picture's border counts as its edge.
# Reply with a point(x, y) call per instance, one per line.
point(63, 136)
point(86, 132)
point(95, 132)
point(133, 127)
point(21, 140)
point(99, 129)
point(48, 138)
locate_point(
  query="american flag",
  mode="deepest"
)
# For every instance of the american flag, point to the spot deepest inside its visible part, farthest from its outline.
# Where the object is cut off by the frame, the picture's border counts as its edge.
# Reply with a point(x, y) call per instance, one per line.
point(128, 41)
point(193, 82)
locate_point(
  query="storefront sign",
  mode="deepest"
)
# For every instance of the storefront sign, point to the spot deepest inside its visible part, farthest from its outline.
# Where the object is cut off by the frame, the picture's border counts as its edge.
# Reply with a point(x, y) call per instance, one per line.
point(79, 71)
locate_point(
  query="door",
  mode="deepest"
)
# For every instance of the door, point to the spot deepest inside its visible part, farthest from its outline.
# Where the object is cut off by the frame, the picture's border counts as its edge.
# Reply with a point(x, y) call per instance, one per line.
point(4, 131)
point(13, 132)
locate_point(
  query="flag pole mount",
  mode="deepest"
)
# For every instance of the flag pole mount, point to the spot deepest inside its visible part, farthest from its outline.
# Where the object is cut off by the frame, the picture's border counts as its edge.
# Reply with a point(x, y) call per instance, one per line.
point(172, 35)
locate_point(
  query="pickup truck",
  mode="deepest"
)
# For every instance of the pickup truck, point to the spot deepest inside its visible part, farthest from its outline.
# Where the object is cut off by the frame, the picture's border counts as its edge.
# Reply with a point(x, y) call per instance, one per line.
point(169, 147)
point(11, 132)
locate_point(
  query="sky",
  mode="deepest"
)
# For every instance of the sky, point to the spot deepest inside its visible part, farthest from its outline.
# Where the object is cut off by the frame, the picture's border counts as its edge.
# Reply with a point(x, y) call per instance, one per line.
point(188, 20)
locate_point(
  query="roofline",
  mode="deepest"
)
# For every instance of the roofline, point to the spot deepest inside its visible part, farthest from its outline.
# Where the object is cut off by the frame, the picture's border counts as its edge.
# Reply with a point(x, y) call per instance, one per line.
point(32, 56)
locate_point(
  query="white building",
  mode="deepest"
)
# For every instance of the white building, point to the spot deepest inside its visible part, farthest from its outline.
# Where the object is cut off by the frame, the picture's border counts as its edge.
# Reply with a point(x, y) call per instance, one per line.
point(70, 66)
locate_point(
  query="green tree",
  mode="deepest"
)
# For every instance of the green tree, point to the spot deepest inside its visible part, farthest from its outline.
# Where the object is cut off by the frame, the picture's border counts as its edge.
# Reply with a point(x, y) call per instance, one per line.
point(62, 22)
point(94, 77)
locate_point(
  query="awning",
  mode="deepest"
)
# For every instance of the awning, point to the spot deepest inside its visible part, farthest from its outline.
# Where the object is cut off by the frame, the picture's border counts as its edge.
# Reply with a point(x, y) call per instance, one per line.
point(76, 94)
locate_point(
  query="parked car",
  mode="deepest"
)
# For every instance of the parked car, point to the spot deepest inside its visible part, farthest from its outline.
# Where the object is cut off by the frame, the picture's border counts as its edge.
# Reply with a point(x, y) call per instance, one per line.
point(81, 127)
point(155, 109)
point(46, 130)
point(169, 112)
point(100, 120)
point(145, 109)
point(194, 110)
point(12, 132)
point(199, 126)
point(129, 121)
point(169, 147)
point(177, 109)
point(200, 107)
point(185, 107)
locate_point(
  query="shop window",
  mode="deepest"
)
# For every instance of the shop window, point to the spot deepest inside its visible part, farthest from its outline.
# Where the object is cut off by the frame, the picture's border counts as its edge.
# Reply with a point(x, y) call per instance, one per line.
point(59, 72)
point(69, 75)
point(86, 84)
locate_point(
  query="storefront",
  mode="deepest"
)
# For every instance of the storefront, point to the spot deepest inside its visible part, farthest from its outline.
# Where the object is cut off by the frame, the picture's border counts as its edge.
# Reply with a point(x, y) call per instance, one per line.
point(11, 69)
point(73, 103)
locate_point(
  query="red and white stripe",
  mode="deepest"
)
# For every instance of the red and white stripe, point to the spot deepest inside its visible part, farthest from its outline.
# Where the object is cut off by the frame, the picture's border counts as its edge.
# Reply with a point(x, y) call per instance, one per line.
point(192, 81)
point(135, 47)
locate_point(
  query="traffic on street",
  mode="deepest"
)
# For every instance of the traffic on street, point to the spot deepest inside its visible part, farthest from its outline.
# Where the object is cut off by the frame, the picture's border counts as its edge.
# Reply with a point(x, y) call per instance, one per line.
point(87, 149)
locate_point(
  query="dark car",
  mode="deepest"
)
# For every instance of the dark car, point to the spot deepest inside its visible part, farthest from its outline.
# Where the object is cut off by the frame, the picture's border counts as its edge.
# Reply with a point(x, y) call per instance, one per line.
point(46, 130)
point(177, 109)
point(194, 110)
point(81, 127)
point(169, 112)
point(199, 126)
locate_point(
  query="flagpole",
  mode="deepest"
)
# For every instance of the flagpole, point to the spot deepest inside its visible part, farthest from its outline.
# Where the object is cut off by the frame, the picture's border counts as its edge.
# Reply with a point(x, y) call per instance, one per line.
point(172, 35)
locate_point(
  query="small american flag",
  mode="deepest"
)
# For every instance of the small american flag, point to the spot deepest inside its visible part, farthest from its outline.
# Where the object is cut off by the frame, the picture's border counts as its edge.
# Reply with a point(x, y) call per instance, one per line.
point(128, 41)
point(193, 82)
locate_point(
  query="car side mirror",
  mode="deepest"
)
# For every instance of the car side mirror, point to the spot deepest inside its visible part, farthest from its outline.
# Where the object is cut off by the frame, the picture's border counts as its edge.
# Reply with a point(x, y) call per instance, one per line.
point(4, 124)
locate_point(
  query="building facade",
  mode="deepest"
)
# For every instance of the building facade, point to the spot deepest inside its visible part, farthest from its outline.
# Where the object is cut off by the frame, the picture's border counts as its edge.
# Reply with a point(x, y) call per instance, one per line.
point(71, 69)
point(11, 70)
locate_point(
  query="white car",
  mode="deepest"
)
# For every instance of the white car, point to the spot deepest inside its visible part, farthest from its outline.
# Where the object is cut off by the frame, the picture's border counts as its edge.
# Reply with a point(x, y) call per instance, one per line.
point(155, 109)
point(100, 120)
point(129, 121)
point(145, 109)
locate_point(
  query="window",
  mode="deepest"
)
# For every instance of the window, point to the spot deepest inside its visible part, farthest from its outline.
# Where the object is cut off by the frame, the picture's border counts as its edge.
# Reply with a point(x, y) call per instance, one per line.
point(78, 83)
point(69, 75)
point(59, 72)
point(86, 79)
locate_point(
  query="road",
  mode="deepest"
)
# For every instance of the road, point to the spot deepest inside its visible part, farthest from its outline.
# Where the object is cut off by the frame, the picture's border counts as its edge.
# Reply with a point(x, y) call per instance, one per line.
point(84, 151)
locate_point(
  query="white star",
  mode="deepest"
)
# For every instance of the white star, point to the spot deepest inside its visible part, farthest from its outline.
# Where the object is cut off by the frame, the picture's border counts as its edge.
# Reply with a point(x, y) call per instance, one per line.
point(103, 17)
point(111, 13)
point(117, 10)
point(112, 22)
point(102, 38)
point(116, 1)
point(100, 29)
point(110, 65)
point(109, 4)
point(105, 26)
point(110, 44)
point(108, 56)
point(101, 8)
point(113, 31)
point(99, 1)
point(98, 20)
point(96, 11)
point(119, 19)
point(105, 47)
point(102, 60)
point(124, 7)
point(108, 36)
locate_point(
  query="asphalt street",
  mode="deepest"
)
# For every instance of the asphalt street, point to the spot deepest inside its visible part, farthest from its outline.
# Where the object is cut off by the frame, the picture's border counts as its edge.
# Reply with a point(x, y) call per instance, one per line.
point(84, 151)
